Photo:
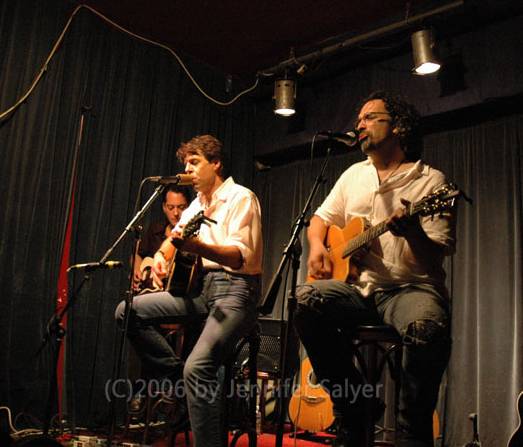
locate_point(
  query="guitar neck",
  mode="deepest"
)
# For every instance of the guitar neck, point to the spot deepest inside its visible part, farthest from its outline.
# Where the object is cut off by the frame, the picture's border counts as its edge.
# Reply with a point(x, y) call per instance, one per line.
point(364, 238)
point(375, 231)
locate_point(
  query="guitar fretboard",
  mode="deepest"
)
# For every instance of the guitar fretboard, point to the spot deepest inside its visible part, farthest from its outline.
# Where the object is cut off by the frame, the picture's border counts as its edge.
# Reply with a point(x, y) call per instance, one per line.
point(376, 231)
point(442, 200)
point(364, 238)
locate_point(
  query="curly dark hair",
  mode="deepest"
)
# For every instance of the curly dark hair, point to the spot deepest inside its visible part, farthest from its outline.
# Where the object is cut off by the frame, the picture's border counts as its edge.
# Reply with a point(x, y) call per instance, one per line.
point(406, 119)
point(206, 145)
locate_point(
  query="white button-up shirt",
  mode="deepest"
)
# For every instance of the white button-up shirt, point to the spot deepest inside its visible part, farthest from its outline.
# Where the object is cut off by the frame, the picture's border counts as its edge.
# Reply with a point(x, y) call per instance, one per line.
point(390, 262)
point(237, 212)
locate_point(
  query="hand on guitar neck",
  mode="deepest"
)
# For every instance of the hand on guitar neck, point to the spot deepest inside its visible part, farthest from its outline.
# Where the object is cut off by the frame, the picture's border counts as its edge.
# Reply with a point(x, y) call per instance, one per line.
point(168, 251)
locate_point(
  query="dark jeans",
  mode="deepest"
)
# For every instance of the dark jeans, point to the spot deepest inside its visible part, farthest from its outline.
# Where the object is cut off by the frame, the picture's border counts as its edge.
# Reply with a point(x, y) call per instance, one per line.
point(227, 303)
point(327, 312)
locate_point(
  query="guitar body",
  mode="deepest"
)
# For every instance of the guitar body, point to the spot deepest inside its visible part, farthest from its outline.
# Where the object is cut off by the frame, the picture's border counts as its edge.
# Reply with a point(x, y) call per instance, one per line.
point(310, 407)
point(183, 274)
point(336, 241)
point(516, 440)
point(146, 284)
point(182, 277)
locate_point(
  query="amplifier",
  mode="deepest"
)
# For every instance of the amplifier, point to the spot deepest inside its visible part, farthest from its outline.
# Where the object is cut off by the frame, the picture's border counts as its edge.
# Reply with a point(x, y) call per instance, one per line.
point(271, 333)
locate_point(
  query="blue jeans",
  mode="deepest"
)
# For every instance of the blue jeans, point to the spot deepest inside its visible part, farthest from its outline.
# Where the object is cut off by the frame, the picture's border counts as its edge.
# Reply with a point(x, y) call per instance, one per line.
point(328, 310)
point(227, 303)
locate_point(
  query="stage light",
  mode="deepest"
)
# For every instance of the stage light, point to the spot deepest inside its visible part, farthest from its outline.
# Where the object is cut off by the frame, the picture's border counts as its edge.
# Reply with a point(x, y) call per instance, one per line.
point(422, 51)
point(284, 96)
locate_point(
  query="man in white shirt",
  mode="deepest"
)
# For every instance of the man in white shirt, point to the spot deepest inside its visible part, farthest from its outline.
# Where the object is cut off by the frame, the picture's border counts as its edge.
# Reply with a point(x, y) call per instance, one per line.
point(399, 279)
point(231, 252)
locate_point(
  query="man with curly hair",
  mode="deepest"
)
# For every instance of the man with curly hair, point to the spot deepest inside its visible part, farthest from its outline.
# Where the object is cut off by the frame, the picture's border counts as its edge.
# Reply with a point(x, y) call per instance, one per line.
point(399, 279)
point(231, 253)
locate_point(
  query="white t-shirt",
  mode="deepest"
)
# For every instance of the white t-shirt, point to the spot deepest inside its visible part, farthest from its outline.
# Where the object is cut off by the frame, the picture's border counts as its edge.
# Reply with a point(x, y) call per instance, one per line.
point(237, 212)
point(390, 263)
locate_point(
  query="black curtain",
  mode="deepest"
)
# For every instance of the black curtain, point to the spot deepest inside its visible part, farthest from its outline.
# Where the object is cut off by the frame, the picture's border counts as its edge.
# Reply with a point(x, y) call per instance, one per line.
point(484, 276)
point(138, 106)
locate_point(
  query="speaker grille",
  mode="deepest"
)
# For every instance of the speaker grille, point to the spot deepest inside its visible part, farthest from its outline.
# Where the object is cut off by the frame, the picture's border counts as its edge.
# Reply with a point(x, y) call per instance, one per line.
point(270, 343)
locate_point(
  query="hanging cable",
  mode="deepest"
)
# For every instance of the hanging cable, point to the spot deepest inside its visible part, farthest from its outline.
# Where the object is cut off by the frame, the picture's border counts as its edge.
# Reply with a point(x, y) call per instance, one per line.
point(57, 44)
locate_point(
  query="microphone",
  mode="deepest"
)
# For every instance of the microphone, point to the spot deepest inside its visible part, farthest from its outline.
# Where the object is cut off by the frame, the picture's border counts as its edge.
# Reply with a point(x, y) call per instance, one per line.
point(89, 266)
point(178, 179)
point(349, 138)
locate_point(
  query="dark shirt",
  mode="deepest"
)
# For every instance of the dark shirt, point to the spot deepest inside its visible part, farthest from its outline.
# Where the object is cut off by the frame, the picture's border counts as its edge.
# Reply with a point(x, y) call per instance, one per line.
point(152, 239)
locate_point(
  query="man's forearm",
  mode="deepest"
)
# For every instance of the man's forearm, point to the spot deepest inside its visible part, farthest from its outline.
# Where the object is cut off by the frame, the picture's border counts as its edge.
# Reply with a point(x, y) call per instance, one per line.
point(317, 230)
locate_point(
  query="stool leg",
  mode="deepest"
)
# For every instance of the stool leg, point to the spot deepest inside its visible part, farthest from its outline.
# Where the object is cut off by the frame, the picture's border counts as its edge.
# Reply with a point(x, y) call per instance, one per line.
point(226, 383)
point(262, 402)
point(148, 416)
point(254, 348)
point(398, 356)
point(372, 365)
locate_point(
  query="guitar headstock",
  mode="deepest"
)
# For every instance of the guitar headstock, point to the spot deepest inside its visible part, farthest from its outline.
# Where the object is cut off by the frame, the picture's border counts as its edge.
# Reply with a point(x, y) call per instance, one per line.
point(443, 199)
point(192, 227)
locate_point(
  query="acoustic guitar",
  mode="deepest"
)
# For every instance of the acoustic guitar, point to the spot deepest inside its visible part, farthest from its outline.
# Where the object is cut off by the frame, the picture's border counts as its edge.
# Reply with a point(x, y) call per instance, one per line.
point(310, 407)
point(516, 439)
point(342, 243)
point(183, 268)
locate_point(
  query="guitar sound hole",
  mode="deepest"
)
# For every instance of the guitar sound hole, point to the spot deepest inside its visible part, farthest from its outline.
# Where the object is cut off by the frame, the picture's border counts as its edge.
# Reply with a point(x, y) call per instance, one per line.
point(313, 380)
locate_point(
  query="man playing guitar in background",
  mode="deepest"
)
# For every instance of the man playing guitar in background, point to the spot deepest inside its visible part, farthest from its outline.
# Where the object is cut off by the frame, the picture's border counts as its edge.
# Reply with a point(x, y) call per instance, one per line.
point(175, 200)
point(399, 278)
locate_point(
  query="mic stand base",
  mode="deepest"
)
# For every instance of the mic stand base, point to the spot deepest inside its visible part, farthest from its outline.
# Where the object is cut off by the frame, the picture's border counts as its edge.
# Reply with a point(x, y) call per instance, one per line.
point(55, 335)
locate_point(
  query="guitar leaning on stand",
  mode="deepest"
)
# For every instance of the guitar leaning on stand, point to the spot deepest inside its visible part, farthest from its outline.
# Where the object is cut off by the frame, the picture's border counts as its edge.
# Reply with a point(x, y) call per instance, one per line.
point(310, 407)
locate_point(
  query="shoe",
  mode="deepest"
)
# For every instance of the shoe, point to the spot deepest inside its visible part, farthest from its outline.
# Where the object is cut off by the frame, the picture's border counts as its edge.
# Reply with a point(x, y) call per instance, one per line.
point(347, 437)
point(350, 429)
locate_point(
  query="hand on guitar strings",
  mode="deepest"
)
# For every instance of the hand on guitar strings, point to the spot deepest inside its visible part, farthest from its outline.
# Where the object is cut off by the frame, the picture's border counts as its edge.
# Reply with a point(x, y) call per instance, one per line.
point(319, 263)
point(401, 224)
point(160, 270)
point(137, 278)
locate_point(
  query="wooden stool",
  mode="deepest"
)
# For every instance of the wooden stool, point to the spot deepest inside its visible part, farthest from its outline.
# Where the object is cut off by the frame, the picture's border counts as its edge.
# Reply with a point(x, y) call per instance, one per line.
point(375, 347)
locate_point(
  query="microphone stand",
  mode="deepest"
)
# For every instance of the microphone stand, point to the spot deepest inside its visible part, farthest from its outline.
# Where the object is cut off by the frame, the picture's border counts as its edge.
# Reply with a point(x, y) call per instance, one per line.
point(55, 334)
point(292, 253)
point(131, 226)
point(55, 331)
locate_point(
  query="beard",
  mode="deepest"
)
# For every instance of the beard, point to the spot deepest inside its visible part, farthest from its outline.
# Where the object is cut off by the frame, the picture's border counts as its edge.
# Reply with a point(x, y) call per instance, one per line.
point(366, 145)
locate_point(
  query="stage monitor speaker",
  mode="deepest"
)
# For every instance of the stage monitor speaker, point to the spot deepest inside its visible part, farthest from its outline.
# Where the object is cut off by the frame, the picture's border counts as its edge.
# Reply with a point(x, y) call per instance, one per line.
point(271, 333)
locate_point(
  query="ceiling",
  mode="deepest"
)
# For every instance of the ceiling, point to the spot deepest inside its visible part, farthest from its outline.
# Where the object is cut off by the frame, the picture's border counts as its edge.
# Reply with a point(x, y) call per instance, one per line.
point(243, 37)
